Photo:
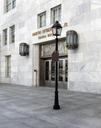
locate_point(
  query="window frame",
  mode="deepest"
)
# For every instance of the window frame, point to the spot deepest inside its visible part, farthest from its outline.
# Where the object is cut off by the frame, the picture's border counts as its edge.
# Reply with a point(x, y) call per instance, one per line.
point(5, 37)
point(57, 13)
point(12, 34)
point(41, 22)
point(13, 4)
point(9, 5)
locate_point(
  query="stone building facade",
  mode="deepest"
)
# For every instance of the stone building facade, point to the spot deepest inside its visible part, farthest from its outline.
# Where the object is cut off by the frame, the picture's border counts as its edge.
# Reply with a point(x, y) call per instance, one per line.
point(30, 22)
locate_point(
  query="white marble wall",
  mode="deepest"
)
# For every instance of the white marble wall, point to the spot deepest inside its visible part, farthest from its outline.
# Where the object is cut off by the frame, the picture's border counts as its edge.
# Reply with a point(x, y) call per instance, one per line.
point(21, 67)
point(85, 63)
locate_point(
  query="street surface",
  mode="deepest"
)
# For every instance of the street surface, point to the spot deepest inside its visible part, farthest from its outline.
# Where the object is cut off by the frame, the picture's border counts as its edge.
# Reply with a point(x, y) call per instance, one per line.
point(31, 107)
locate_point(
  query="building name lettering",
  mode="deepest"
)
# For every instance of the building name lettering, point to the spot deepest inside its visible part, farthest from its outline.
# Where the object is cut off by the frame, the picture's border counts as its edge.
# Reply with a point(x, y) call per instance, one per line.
point(46, 32)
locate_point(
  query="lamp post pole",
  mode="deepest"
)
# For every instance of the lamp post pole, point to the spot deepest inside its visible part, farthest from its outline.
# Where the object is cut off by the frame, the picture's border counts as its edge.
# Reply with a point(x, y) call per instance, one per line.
point(56, 30)
point(56, 100)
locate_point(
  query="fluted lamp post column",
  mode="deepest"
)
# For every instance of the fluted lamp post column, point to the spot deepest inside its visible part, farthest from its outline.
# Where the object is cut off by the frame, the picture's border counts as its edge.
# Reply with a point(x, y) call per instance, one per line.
point(56, 31)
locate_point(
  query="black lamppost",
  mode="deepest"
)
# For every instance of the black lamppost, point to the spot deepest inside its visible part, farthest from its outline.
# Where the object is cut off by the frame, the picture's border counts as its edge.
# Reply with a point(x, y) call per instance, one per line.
point(56, 30)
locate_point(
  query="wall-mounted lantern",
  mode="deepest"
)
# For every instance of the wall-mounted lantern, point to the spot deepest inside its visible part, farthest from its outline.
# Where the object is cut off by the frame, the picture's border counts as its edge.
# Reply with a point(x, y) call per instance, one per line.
point(72, 39)
point(24, 49)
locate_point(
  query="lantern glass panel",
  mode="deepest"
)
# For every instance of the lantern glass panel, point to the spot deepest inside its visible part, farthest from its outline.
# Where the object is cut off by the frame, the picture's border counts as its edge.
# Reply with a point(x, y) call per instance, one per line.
point(21, 48)
point(59, 31)
point(54, 31)
point(71, 39)
point(75, 39)
point(24, 49)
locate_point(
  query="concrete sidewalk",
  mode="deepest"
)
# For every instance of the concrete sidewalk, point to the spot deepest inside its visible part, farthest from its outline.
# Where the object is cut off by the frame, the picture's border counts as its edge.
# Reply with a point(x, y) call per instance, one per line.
point(31, 107)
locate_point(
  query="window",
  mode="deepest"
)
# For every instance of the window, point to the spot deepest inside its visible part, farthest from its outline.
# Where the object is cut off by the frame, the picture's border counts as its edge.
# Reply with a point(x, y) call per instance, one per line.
point(52, 70)
point(12, 34)
point(56, 14)
point(47, 70)
point(41, 19)
point(8, 66)
point(60, 70)
point(66, 70)
point(13, 3)
point(5, 36)
point(9, 4)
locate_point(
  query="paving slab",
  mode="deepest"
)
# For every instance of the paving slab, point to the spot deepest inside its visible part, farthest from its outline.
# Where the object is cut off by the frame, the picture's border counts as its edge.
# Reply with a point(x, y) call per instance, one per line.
point(32, 107)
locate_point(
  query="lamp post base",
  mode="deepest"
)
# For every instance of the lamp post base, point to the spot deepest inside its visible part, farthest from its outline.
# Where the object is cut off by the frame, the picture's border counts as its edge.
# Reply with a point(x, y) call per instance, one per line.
point(56, 101)
point(56, 107)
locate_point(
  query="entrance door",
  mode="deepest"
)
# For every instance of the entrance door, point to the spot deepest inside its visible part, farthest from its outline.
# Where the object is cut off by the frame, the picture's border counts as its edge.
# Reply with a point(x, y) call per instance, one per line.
point(50, 73)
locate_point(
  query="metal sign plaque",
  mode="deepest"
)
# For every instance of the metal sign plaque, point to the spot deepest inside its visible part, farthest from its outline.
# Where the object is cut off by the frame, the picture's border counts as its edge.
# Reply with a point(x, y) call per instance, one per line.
point(55, 56)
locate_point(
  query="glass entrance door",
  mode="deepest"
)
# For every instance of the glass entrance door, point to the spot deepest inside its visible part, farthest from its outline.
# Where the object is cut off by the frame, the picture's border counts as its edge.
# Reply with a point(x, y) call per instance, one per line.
point(47, 70)
point(62, 73)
